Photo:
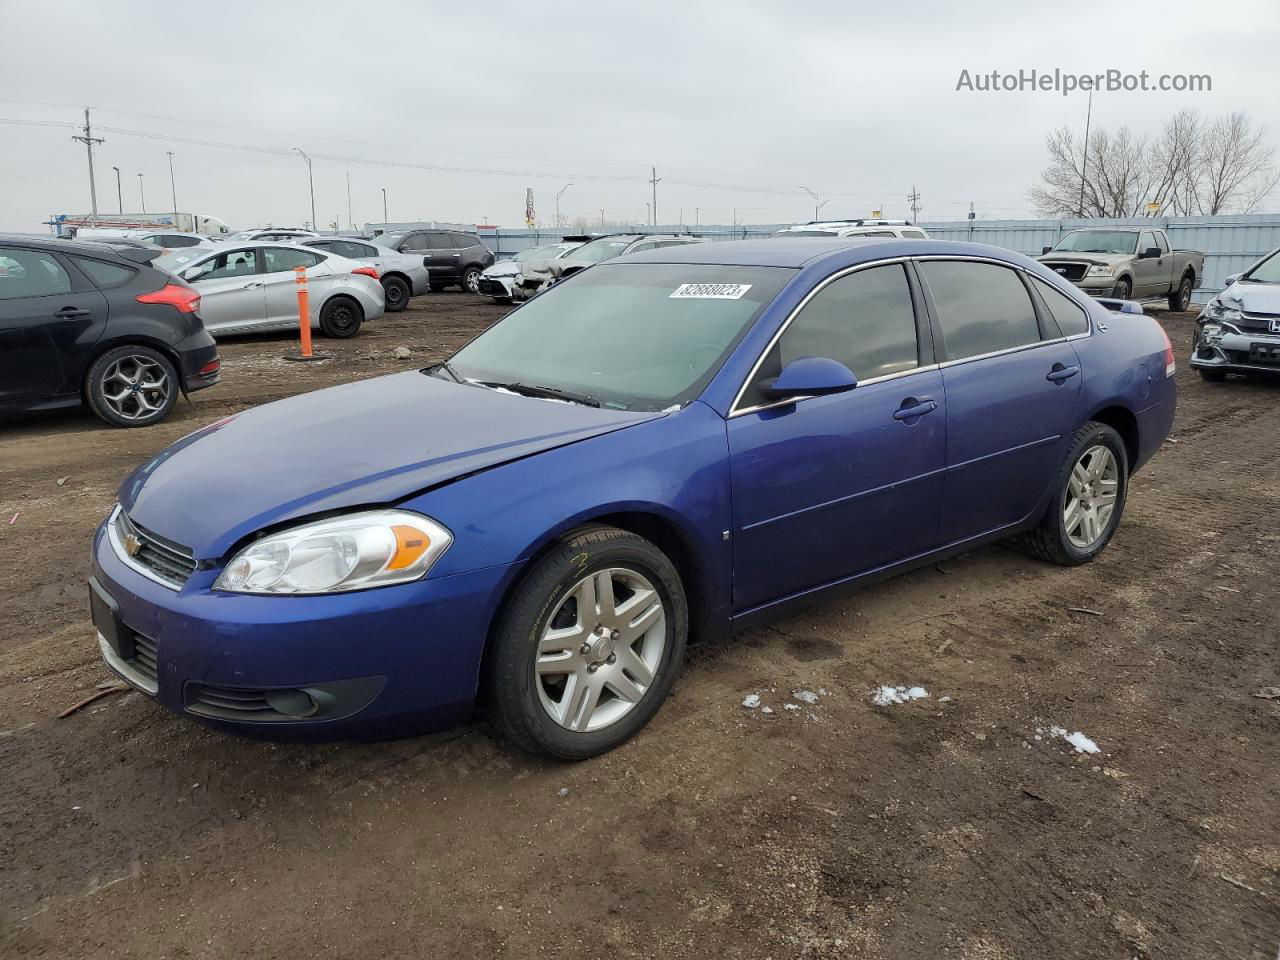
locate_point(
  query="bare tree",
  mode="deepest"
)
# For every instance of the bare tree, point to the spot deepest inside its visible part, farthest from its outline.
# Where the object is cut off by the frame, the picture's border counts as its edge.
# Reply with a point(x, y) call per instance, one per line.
point(1237, 168)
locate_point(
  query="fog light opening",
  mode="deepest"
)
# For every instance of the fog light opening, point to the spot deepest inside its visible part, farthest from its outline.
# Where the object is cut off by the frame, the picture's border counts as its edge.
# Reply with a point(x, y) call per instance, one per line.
point(292, 703)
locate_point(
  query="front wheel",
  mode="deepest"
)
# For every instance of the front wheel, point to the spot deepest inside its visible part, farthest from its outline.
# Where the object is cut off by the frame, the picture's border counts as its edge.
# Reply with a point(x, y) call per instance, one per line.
point(471, 280)
point(589, 646)
point(1180, 298)
point(132, 386)
point(1088, 500)
point(1122, 289)
point(340, 318)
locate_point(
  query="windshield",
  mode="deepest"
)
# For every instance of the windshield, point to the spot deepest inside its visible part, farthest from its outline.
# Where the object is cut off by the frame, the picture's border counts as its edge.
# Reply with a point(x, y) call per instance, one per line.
point(1268, 271)
point(603, 249)
point(635, 336)
point(1099, 241)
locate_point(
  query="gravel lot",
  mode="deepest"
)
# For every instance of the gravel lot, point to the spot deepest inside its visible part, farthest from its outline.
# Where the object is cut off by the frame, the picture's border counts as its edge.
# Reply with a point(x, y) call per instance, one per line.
point(946, 826)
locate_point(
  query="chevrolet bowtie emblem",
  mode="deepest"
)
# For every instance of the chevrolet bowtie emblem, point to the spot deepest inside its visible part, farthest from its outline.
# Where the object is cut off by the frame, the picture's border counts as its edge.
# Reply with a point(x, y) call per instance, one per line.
point(132, 544)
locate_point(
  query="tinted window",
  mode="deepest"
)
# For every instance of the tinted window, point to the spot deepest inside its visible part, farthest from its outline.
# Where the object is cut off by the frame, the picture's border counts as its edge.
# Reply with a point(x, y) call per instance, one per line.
point(865, 320)
point(322, 244)
point(1069, 315)
point(416, 241)
point(345, 248)
point(914, 234)
point(104, 274)
point(30, 273)
point(233, 263)
point(184, 242)
point(642, 247)
point(463, 241)
point(439, 241)
point(982, 308)
point(284, 258)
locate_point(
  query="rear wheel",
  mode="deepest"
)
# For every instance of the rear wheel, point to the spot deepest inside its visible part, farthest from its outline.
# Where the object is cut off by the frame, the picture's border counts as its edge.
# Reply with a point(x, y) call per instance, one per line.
point(1122, 289)
point(132, 386)
point(340, 318)
point(1088, 501)
point(1180, 298)
point(395, 294)
point(589, 646)
point(471, 280)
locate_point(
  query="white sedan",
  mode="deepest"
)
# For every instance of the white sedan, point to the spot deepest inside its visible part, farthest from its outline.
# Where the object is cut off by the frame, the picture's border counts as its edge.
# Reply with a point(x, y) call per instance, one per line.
point(249, 287)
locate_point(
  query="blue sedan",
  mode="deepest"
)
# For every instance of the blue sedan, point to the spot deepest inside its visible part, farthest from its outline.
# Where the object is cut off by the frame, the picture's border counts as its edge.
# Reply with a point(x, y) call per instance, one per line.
point(661, 448)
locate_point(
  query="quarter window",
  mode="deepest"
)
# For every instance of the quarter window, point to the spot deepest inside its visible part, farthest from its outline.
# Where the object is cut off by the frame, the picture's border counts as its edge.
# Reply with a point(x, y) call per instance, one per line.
point(30, 273)
point(345, 248)
point(1069, 315)
point(105, 275)
point(982, 308)
point(462, 241)
point(864, 320)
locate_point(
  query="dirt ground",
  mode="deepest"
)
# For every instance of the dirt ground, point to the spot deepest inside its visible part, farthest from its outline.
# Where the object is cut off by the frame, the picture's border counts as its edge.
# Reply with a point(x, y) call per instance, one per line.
point(953, 826)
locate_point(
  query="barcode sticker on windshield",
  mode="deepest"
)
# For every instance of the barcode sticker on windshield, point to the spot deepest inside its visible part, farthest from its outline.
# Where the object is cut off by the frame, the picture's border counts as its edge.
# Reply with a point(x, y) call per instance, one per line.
point(710, 291)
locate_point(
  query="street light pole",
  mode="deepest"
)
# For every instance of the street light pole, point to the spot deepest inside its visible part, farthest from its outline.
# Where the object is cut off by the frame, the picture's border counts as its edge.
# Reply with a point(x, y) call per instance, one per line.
point(119, 192)
point(312, 182)
point(173, 190)
point(350, 220)
point(142, 193)
point(816, 206)
point(385, 221)
point(558, 196)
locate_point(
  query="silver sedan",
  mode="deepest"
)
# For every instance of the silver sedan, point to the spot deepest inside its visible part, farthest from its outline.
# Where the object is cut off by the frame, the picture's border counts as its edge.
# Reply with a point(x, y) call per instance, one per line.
point(403, 275)
point(248, 287)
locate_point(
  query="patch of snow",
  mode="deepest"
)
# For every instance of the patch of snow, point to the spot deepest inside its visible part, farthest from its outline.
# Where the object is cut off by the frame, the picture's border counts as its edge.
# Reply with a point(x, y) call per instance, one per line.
point(766, 709)
point(885, 696)
point(805, 696)
point(751, 701)
point(791, 706)
point(1078, 740)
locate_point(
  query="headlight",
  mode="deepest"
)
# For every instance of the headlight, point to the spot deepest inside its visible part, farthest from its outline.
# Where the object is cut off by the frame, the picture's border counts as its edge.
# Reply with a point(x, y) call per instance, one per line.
point(1100, 270)
point(1215, 310)
point(1211, 331)
point(373, 549)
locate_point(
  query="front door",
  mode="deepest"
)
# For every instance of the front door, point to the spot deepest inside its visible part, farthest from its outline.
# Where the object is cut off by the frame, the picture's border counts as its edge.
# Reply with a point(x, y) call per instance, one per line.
point(1012, 391)
point(826, 488)
point(1150, 274)
point(231, 292)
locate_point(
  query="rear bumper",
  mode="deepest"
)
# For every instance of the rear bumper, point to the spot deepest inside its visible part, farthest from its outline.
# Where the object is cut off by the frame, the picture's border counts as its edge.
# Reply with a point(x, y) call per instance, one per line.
point(370, 663)
point(195, 354)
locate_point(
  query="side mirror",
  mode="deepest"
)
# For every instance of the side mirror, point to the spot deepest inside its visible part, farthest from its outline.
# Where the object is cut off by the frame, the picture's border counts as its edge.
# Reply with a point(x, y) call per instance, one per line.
point(1229, 280)
point(811, 377)
point(1151, 253)
point(1044, 250)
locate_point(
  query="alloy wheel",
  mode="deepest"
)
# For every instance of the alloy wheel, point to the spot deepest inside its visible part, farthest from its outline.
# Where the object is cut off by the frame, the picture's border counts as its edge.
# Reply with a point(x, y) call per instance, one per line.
point(601, 650)
point(136, 387)
point(471, 280)
point(1091, 495)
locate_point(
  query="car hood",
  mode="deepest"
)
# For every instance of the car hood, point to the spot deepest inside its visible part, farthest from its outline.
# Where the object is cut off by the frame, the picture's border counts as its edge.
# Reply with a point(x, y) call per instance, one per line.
point(1253, 297)
point(503, 268)
point(360, 444)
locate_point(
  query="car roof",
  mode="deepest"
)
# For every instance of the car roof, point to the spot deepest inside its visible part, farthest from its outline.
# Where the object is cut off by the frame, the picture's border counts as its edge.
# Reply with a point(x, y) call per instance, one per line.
point(97, 246)
point(797, 252)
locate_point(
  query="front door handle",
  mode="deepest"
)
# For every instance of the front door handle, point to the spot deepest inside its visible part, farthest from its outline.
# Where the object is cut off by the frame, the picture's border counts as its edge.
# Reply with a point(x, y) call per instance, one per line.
point(72, 313)
point(914, 407)
point(252, 286)
point(1060, 374)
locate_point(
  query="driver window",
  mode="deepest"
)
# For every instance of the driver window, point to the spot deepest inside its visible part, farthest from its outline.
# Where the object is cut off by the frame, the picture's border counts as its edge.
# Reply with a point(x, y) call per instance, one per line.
point(233, 263)
point(1146, 241)
point(865, 320)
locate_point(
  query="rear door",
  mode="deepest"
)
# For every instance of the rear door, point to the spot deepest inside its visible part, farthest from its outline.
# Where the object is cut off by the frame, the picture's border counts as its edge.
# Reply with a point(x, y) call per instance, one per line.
point(46, 315)
point(825, 488)
point(444, 259)
point(1013, 390)
point(279, 274)
point(231, 290)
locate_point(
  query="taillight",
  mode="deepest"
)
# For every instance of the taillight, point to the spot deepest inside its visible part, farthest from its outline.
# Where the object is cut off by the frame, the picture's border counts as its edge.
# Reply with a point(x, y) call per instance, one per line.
point(366, 271)
point(213, 366)
point(184, 299)
point(1170, 364)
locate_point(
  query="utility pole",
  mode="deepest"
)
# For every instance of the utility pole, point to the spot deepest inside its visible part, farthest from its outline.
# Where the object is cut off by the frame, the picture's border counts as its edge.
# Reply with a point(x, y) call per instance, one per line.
point(1084, 156)
point(311, 180)
point(89, 140)
point(142, 193)
point(558, 196)
point(648, 210)
point(350, 222)
point(654, 181)
point(913, 198)
point(697, 211)
point(173, 190)
point(385, 221)
point(119, 192)
point(816, 206)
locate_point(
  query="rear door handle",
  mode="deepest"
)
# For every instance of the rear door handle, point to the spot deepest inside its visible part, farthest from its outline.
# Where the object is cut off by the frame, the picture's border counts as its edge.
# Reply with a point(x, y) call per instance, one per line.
point(1059, 373)
point(912, 408)
point(72, 313)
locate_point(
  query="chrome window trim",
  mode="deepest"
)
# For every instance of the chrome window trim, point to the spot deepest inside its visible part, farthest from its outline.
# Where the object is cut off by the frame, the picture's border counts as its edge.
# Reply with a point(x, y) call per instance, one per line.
point(861, 383)
point(122, 555)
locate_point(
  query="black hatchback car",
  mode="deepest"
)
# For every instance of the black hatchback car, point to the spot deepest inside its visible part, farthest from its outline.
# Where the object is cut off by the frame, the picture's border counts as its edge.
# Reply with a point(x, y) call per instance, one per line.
point(92, 323)
point(451, 257)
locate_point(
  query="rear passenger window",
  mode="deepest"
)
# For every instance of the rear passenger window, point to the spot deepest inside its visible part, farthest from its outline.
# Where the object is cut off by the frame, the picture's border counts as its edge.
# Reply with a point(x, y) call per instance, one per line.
point(279, 259)
point(104, 274)
point(462, 241)
point(982, 308)
point(1068, 314)
point(865, 320)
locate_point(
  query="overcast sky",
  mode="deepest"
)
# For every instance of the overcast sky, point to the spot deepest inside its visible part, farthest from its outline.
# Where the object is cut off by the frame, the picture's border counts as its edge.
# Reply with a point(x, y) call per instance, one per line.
point(456, 108)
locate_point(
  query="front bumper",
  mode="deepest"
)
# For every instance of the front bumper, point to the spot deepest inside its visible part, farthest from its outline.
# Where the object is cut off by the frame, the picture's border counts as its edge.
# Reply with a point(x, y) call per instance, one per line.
point(497, 287)
point(1237, 352)
point(380, 662)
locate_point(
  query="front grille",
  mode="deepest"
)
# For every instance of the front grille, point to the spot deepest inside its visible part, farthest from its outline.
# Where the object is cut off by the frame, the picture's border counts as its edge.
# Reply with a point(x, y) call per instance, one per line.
point(167, 561)
point(1068, 271)
point(1256, 322)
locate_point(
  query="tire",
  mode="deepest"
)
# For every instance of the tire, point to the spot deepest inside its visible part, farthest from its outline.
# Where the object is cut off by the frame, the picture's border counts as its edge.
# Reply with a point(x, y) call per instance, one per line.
point(340, 318)
point(526, 699)
point(396, 293)
point(116, 386)
point(471, 280)
point(1213, 376)
point(1053, 540)
point(1122, 289)
point(1179, 299)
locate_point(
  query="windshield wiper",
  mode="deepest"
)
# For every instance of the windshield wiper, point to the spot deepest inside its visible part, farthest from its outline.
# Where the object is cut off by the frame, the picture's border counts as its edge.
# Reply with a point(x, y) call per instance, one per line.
point(547, 393)
point(444, 365)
